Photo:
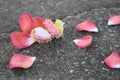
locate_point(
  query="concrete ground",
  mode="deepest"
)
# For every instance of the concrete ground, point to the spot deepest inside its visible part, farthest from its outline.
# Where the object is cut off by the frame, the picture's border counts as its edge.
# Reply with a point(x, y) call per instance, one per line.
point(61, 59)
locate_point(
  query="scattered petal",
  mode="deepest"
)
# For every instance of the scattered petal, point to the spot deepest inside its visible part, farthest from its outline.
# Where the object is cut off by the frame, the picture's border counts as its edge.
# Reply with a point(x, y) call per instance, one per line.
point(21, 61)
point(50, 27)
point(59, 26)
point(113, 60)
point(39, 22)
point(26, 23)
point(87, 25)
point(114, 20)
point(83, 42)
point(20, 41)
point(40, 35)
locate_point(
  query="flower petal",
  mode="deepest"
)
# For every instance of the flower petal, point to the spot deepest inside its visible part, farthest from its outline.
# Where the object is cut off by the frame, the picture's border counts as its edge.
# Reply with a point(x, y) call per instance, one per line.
point(83, 42)
point(26, 23)
point(40, 35)
point(21, 61)
point(50, 27)
point(39, 22)
point(20, 41)
point(59, 26)
point(87, 25)
point(114, 20)
point(113, 60)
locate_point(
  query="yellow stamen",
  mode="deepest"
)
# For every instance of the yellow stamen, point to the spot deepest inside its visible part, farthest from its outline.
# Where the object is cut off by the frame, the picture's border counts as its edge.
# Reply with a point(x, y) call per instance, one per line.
point(59, 26)
point(32, 35)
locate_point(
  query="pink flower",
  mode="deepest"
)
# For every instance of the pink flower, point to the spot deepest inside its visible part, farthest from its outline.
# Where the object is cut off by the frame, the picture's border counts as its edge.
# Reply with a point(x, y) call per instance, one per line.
point(83, 42)
point(113, 60)
point(35, 29)
point(21, 61)
point(114, 20)
point(87, 25)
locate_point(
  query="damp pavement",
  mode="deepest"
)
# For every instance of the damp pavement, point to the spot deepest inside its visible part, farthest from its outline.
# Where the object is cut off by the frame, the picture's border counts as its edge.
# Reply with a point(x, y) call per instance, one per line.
point(61, 59)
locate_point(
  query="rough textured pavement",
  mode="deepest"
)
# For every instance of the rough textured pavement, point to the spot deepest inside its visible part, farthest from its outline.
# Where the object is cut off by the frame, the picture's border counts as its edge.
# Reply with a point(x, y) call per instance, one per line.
point(61, 59)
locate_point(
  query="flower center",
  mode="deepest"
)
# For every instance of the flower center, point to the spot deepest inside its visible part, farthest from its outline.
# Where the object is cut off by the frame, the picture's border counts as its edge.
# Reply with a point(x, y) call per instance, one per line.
point(40, 35)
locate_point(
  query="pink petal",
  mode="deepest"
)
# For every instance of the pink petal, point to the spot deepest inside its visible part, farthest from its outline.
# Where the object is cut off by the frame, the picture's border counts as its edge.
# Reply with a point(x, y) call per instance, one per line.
point(26, 23)
point(83, 42)
point(114, 20)
point(113, 60)
point(21, 61)
point(50, 27)
point(41, 35)
point(20, 41)
point(87, 25)
point(39, 22)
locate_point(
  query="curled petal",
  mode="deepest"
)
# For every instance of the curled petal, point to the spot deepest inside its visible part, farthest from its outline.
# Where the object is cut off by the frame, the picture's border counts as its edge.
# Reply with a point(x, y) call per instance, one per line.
point(26, 23)
point(59, 26)
point(113, 60)
point(39, 22)
point(20, 41)
point(21, 61)
point(87, 25)
point(83, 42)
point(40, 35)
point(50, 27)
point(114, 20)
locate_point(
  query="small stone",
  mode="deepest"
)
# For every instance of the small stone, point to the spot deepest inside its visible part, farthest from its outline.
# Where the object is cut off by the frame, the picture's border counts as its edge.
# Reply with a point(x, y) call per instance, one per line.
point(27, 51)
point(83, 62)
point(92, 60)
point(86, 70)
point(111, 35)
point(40, 79)
point(76, 64)
point(102, 62)
point(71, 71)
point(104, 69)
point(41, 60)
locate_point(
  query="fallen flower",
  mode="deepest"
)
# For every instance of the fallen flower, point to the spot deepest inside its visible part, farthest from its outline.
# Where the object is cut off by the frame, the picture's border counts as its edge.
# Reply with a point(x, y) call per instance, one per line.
point(21, 61)
point(114, 20)
point(113, 60)
point(83, 42)
point(87, 25)
point(35, 29)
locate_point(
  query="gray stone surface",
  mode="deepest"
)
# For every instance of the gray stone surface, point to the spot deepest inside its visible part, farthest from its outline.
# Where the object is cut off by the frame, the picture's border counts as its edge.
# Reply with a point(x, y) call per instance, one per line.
point(61, 59)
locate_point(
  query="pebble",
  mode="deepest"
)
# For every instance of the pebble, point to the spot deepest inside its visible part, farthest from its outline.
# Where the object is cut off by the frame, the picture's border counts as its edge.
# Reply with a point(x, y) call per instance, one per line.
point(40, 79)
point(71, 71)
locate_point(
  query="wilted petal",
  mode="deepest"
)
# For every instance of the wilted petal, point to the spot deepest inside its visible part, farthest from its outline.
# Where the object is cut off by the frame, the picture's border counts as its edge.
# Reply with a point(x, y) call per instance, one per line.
point(114, 20)
point(87, 25)
point(39, 22)
point(59, 26)
point(113, 60)
point(20, 41)
point(26, 23)
point(50, 27)
point(83, 42)
point(21, 61)
point(40, 35)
